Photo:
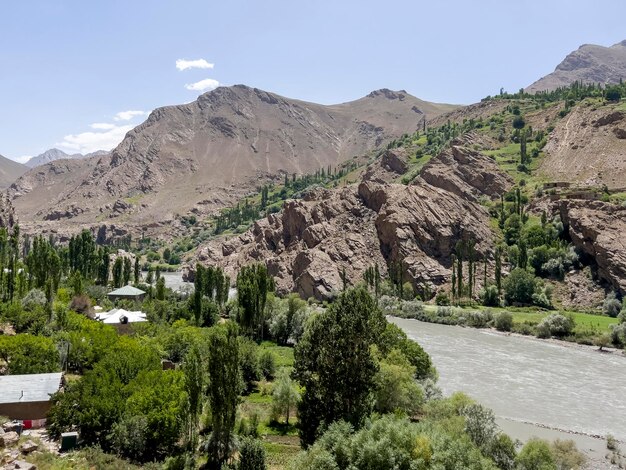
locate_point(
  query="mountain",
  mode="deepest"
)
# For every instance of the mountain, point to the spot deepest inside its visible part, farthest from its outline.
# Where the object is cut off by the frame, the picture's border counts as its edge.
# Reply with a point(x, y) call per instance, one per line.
point(10, 171)
point(209, 153)
point(589, 64)
point(56, 154)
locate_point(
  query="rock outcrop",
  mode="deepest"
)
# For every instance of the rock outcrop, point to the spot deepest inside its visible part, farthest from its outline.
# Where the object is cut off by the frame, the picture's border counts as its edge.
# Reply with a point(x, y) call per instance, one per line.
point(597, 229)
point(311, 242)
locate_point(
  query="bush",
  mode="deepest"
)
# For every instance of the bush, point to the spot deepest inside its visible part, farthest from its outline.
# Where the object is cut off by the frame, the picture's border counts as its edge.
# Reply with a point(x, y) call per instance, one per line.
point(411, 309)
point(504, 321)
point(267, 363)
point(518, 122)
point(35, 298)
point(442, 299)
point(490, 296)
point(557, 325)
point(535, 455)
point(251, 455)
point(82, 304)
point(618, 335)
point(566, 455)
point(611, 305)
point(479, 319)
point(249, 363)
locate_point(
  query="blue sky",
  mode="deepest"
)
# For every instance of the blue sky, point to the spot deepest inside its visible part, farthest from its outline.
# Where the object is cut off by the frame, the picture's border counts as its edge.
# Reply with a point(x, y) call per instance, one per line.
point(69, 67)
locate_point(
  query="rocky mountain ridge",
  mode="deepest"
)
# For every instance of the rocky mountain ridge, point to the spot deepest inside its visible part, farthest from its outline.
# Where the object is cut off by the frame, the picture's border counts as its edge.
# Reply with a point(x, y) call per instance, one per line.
point(209, 153)
point(56, 154)
point(590, 63)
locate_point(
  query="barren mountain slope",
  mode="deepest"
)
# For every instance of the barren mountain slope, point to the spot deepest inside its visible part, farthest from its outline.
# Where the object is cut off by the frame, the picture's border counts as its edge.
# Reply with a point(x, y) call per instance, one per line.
point(208, 153)
point(10, 171)
point(588, 147)
point(589, 64)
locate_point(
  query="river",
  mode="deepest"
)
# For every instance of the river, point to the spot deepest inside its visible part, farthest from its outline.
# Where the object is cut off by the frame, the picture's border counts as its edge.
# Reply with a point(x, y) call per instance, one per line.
point(524, 380)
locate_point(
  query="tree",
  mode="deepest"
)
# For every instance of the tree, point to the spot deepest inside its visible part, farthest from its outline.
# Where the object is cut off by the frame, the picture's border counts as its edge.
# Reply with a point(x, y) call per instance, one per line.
point(396, 388)
point(194, 386)
point(127, 271)
point(136, 271)
point(160, 289)
point(337, 344)
point(519, 287)
point(285, 396)
point(613, 94)
point(27, 354)
point(518, 122)
point(253, 285)
point(224, 388)
point(118, 272)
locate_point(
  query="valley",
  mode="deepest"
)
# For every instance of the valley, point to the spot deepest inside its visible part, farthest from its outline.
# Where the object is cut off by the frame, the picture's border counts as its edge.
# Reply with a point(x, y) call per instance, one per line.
point(250, 282)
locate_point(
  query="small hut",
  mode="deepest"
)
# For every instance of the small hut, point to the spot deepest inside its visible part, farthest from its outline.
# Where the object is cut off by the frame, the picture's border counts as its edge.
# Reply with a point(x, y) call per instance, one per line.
point(27, 397)
point(126, 293)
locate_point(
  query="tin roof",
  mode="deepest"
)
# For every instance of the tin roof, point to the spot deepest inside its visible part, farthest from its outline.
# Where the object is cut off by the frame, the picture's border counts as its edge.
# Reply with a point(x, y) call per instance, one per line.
point(114, 316)
point(29, 387)
point(128, 291)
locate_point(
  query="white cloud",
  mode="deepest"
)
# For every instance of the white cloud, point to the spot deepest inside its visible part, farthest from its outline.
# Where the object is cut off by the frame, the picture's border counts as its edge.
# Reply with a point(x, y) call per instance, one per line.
point(183, 64)
point(127, 115)
point(102, 126)
point(87, 142)
point(207, 84)
point(22, 159)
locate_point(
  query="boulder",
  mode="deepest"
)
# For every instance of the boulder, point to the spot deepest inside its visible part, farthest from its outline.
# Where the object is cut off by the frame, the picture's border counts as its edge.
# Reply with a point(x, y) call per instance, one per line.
point(9, 438)
point(23, 465)
point(28, 447)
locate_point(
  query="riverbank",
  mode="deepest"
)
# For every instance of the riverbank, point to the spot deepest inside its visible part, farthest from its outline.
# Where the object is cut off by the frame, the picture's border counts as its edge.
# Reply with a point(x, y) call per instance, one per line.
point(594, 447)
point(559, 342)
point(587, 329)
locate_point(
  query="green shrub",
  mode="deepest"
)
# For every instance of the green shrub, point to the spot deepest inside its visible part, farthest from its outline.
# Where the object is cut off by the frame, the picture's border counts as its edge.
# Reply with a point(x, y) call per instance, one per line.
point(535, 455)
point(442, 299)
point(611, 305)
point(504, 321)
point(267, 363)
point(557, 325)
point(490, 296)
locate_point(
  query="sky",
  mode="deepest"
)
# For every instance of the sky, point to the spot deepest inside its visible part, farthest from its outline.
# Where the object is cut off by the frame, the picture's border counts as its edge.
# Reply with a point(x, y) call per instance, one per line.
point(77, 75)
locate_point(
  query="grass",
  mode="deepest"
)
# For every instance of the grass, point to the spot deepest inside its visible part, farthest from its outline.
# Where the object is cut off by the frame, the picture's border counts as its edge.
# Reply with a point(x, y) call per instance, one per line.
point(584, 321)
point(587, 324)
point(85, 459)
point(282, 354)
point(280, 451)
point(279, 439)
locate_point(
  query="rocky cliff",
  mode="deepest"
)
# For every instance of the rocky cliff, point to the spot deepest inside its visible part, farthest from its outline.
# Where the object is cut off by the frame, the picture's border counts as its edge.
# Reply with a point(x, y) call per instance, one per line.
point(597, 229)
point(310, 242)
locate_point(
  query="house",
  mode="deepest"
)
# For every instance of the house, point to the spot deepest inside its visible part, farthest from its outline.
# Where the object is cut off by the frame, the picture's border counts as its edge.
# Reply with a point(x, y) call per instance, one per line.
point(27, 397)
point(126, 293)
